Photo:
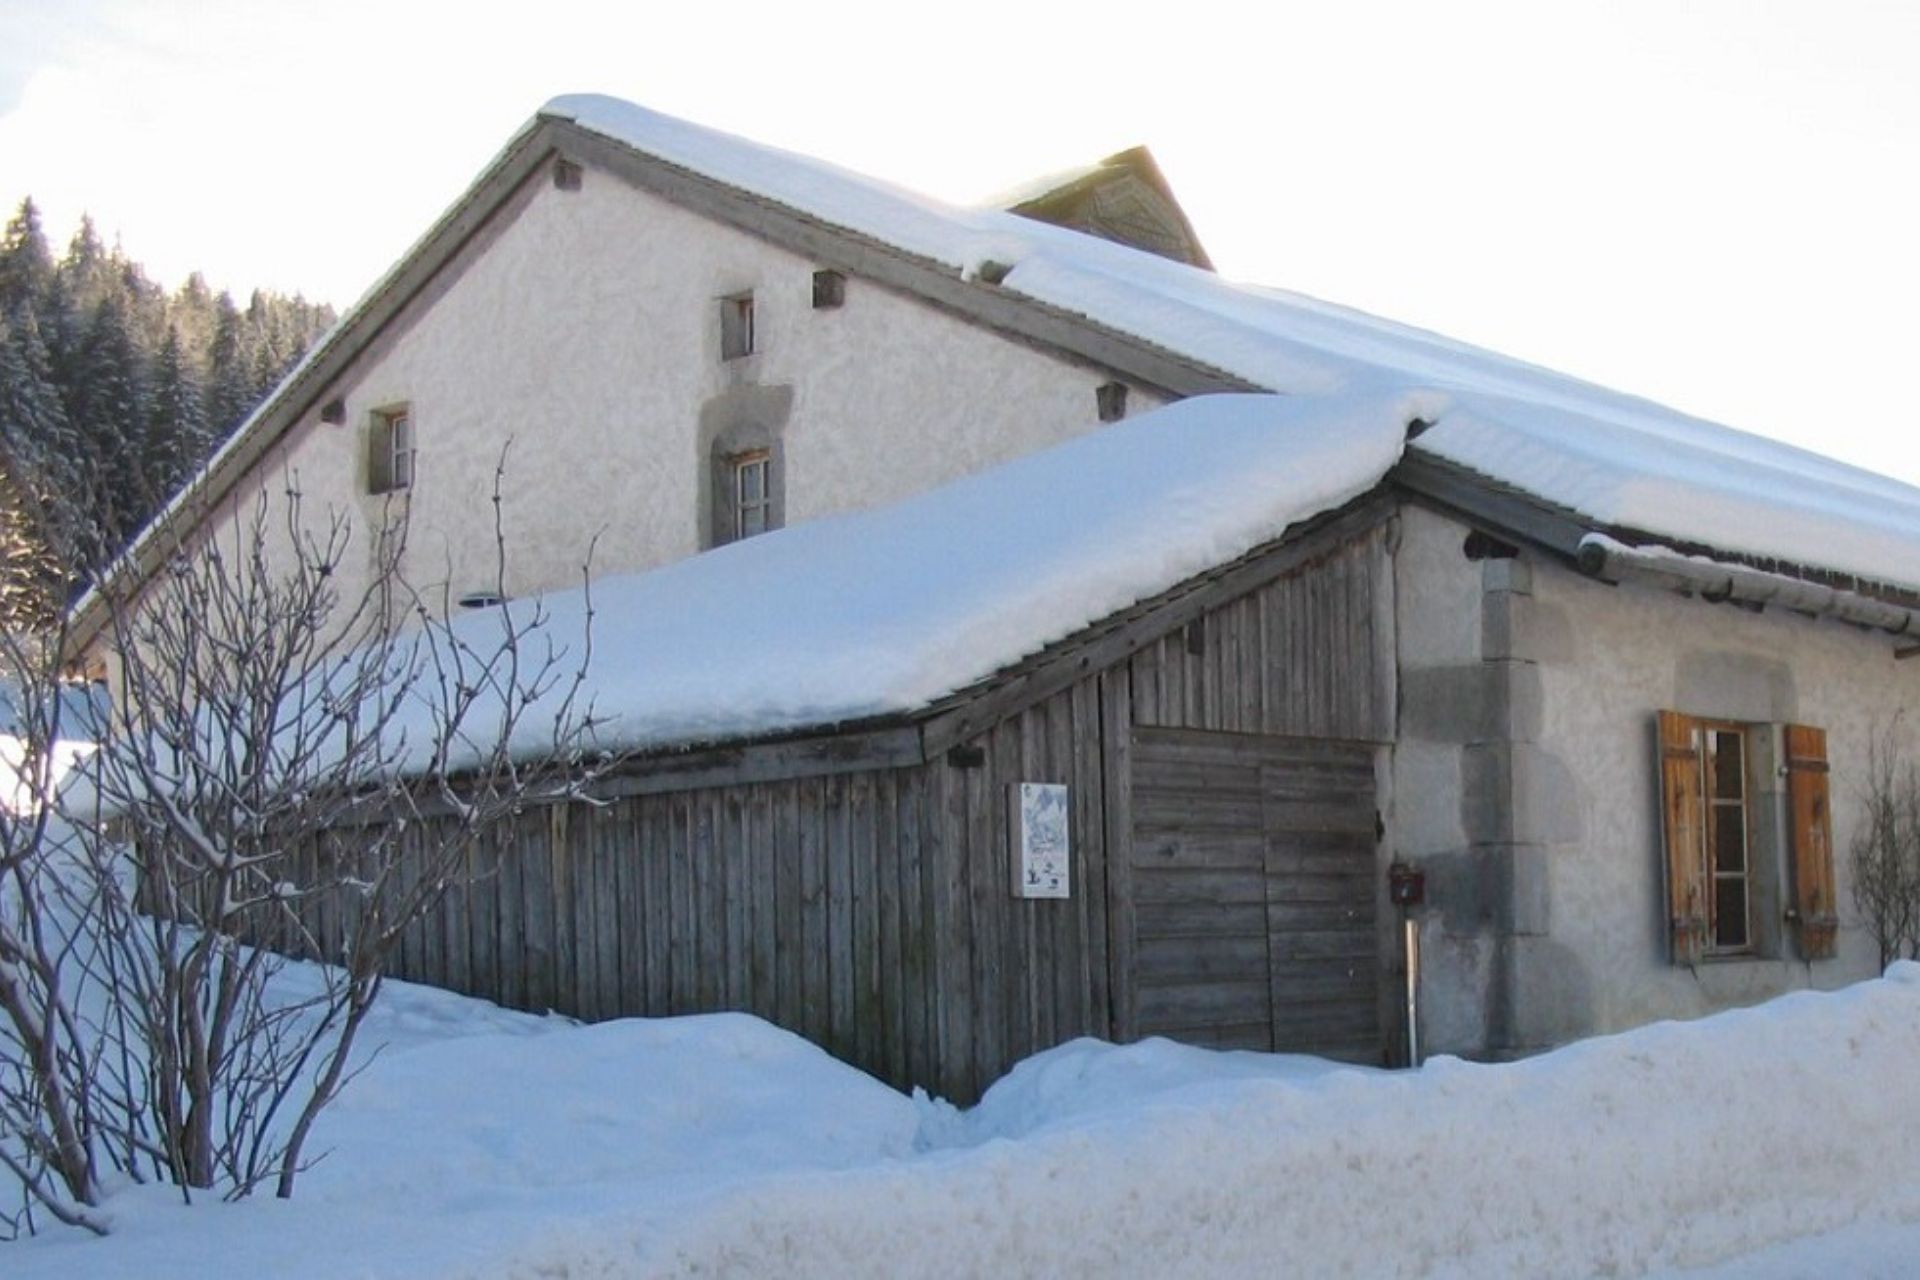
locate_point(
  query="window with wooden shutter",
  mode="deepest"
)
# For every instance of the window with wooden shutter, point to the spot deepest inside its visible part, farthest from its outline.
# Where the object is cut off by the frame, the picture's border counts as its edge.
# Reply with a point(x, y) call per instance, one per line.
point(1684, 826)
point(1814, 914)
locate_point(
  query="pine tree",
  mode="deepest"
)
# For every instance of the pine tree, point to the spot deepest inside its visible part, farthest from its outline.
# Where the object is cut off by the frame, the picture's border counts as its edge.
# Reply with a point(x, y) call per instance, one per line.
point(267, 353)
point(33, 414)
point(26, 264)
point(108, 406)
point(175, 439)
point(192, 314)
point(230, 393)
point(35, 447)
point(113, 390)
point(89, 269)
point(146, 303)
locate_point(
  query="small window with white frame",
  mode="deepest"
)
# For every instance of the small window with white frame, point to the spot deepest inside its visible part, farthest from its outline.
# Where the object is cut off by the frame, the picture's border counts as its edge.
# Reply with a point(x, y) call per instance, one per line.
point(390, 450)
point(736, 326)
point(752, 493)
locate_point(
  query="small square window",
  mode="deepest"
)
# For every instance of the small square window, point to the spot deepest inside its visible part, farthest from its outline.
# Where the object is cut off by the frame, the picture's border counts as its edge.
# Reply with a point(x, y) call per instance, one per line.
point(752, 493)
point(1110, 398)
point(736, 326)
point(829, 290)
point(390, 450)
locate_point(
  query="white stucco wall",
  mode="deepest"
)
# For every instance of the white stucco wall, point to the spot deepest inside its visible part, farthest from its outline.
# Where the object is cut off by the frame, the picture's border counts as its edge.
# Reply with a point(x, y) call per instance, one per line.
point(587, 333)
point(1634, 651)
point(1546, 911)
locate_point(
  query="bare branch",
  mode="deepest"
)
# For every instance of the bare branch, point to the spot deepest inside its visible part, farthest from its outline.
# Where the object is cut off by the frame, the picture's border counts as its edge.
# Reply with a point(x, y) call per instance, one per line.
point(289, 771)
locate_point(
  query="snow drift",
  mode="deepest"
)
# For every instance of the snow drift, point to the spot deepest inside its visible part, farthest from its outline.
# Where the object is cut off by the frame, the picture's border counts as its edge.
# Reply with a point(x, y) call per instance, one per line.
point(1673, 1145)
point(491, 1144)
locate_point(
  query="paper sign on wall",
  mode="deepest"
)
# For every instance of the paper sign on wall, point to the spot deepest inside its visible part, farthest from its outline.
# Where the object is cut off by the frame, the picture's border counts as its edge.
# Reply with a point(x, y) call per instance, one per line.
point(1041, 856)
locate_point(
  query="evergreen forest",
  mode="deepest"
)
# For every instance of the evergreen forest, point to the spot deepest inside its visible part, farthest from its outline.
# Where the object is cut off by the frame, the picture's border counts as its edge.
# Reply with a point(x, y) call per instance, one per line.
point(113, 391)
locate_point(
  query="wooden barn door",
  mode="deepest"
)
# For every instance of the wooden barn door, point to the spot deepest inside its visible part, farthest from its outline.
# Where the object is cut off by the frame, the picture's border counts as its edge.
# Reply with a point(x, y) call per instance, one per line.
point(1250, 893)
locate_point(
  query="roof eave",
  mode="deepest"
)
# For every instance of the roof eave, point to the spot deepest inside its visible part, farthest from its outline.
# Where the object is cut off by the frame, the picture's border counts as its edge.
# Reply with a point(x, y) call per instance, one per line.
point(312, 379)
point(1568, 535)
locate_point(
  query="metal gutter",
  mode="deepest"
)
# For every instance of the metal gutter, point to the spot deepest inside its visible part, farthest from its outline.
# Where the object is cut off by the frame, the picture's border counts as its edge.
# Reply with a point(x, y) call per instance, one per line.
point(1610, 560)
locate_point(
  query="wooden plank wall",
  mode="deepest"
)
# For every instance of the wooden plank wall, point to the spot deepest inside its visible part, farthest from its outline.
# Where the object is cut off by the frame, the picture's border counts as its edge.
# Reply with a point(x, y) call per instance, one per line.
point(872, 911)
point(1014, 976)
point(1310, 655)
point(1255, 892)
point(805, 902)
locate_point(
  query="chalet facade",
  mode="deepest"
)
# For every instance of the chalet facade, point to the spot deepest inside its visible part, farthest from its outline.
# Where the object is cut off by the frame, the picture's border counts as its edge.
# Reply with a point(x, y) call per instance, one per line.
point(1605, 676)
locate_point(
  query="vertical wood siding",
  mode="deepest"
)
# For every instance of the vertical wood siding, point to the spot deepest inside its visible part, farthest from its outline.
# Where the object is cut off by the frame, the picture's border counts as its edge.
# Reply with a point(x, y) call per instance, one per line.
point(1255, 891)
point(871, 911)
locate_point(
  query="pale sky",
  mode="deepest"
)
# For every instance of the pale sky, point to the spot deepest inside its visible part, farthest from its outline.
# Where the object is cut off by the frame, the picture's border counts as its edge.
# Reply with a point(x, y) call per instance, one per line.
point(1714, 205)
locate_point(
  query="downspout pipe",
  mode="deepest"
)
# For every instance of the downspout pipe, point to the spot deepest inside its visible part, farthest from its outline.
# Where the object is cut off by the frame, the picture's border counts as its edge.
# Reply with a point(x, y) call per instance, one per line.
point(1611, 560)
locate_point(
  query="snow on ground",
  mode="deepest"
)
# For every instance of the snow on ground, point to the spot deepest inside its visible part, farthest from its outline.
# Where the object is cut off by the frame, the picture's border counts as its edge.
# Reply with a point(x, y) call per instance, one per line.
point(1777, 1141)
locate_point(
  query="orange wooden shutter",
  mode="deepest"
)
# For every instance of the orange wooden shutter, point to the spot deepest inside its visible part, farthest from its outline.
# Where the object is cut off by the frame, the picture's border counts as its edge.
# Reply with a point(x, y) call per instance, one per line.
point(1683, 813)
point(1815, 913)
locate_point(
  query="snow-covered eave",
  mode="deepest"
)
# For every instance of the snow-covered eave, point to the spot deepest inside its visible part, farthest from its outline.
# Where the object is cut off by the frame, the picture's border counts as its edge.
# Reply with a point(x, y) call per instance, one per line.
point(1615, 554)
point(308, 383)
point(927, 733)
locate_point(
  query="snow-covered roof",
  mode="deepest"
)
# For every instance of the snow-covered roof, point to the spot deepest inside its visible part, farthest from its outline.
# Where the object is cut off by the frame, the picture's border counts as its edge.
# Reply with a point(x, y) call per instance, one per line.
point(82, 709)
point(1615, 459)
point(885, 611)
point(1622, 463)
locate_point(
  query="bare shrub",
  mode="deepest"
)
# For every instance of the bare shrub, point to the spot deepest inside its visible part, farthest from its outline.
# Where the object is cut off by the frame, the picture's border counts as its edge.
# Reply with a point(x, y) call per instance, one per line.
point(273, 747)
point(1886, 848)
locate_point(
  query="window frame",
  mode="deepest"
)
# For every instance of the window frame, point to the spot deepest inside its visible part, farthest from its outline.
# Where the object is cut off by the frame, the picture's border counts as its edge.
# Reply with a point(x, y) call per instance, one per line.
point(392, 450)
point(748, 438)
point(829, 289)
point(1787, 871)
point(738, 337)
point(739, 467)
point(1715, 805)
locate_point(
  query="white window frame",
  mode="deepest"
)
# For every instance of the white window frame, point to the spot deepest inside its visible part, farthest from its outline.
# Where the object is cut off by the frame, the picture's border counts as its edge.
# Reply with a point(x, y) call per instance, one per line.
point(758, 462)
point(391, 450)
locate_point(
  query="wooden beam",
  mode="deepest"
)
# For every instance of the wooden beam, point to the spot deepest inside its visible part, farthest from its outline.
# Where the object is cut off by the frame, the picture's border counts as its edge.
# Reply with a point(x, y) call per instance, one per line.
point(1481, 500)
point(736, 765)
